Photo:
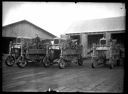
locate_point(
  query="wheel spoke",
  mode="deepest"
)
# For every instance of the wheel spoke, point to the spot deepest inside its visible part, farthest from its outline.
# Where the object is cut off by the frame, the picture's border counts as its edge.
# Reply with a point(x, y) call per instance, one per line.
point(9, 61)
point(21, 62)
point(62, 64)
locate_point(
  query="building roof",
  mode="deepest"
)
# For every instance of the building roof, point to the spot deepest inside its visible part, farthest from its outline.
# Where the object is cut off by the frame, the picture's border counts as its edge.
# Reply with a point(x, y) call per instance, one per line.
point(25, 21)
point(98, 25)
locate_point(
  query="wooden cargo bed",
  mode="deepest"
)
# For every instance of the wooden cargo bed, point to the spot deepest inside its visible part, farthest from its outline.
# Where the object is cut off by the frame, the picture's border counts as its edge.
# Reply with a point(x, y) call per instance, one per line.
point(36, 51)
point(71, 51)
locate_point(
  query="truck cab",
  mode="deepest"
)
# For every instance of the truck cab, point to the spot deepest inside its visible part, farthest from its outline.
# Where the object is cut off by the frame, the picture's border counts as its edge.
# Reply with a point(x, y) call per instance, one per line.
point(56, 43)
point(102, 44)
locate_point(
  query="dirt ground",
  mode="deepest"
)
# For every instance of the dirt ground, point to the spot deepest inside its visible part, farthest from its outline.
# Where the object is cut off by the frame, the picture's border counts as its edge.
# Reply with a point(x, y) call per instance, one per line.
point(36, 78)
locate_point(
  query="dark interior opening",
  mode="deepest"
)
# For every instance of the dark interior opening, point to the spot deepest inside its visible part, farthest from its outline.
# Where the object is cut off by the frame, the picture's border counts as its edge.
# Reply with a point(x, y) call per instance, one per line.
point(94, 39)
point(5, 44)
point(76, 37)
point(120, 37)
point(56, 41)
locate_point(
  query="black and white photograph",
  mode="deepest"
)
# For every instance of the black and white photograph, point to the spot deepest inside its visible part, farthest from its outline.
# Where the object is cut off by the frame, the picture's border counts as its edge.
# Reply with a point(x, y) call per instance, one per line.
point(63, 46)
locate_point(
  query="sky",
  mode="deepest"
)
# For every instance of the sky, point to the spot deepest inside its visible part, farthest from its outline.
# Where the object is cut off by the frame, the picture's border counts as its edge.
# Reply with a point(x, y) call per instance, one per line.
point(56, 17)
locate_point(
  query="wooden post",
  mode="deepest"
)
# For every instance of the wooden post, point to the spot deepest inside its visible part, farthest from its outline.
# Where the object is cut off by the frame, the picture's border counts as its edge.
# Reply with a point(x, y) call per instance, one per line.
point(21, 46)
point(84, 42)
point(10, 47)
point(108, 37)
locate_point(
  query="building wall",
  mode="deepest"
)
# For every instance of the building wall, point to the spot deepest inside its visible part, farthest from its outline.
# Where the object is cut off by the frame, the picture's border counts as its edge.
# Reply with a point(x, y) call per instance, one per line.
point(108, 36)
point(84, 42)
point(24, 30)
point(95, 37)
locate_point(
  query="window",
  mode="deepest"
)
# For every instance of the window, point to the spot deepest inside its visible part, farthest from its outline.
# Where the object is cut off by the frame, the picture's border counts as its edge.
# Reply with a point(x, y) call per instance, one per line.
point(56, 41)
point(103, 42)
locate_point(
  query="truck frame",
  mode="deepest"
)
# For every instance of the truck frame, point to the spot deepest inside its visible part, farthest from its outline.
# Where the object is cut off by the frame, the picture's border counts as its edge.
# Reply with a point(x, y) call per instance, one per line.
point(58, 53)
point(20, 53)
point(106, 53)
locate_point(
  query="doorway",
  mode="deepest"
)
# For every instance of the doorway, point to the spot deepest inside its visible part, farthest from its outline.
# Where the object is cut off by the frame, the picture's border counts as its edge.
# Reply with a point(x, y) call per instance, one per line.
point(5, 44)
point(93, 39)
point(120, 37)
point(76, 37)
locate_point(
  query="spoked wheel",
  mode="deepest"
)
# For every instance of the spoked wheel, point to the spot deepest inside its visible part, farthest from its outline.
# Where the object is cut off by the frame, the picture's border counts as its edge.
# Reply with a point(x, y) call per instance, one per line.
point(21, 62)
point(62, 64)
point(121, 61)
point(68, 63)
point(41, 61)
point(10, 61)
point(80, 62)
point(118, 62)
point(111, 64)
point(94, 63)
point(46, 62)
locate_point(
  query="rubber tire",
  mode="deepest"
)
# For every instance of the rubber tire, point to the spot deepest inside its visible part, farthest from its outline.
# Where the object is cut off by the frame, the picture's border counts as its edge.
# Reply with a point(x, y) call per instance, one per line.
point(62, 64)
point(21, 63)
point(68, 63)
point(80, 62)
point(45, 62)
point(92, 65)
point(111, 66)
point(7, 62)
point(118, 62)
point(41, 61)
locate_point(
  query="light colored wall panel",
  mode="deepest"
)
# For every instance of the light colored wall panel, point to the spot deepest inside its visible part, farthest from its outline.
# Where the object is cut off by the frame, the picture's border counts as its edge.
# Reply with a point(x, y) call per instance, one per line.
point(24, 30)
point(84, 42)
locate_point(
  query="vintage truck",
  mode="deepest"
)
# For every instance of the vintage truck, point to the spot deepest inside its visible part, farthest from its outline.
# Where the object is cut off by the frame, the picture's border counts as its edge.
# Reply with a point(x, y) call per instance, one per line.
point(106, 53)
point(23, 51)
point(63, 52)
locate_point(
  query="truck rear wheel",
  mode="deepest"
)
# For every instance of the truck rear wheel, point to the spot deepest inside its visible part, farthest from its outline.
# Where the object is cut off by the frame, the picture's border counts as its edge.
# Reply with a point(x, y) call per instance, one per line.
point(118, 62)
point(62, 64)
point(111, 64)
point(46, 62)
point(94, 63)
point(80, 62)
point(21, 62)
point(9, 61)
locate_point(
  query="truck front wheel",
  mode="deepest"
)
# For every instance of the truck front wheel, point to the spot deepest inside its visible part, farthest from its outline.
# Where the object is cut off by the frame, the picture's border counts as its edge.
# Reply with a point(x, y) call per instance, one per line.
point(46, 62)
point(21, 62)
point(93, 62)
point(111, 62)
point(10, 61)
point(80, 62)
point(62, 64)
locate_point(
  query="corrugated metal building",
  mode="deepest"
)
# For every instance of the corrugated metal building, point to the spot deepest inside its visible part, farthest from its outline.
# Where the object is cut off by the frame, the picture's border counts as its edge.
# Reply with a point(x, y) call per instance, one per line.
point(24, 29)
point(90, 31)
